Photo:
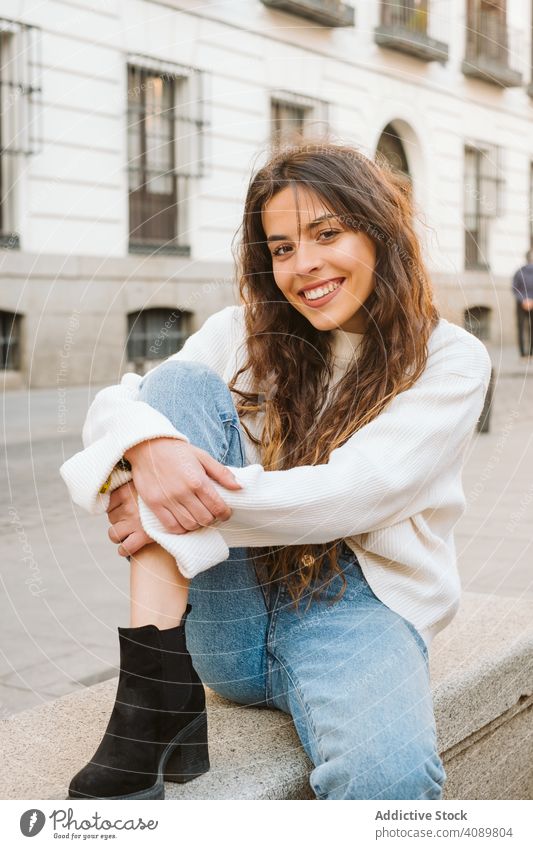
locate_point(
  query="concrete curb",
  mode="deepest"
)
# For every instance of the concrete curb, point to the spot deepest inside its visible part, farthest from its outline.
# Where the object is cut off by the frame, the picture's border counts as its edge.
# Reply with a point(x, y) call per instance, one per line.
point(482, 674)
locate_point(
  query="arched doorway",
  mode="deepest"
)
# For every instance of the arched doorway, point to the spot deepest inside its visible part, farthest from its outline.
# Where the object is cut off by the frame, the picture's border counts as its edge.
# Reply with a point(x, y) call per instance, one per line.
point(391, 151)
point(390, 148)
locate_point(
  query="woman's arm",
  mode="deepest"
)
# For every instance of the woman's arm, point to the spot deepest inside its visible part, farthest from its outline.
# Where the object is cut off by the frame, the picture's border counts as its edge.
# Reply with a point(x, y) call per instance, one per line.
point(406, 460)
point(117, 421)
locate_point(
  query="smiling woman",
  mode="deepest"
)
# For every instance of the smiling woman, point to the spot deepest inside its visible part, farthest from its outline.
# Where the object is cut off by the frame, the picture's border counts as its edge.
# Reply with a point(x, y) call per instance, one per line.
point(294, 472)
point(319, 261)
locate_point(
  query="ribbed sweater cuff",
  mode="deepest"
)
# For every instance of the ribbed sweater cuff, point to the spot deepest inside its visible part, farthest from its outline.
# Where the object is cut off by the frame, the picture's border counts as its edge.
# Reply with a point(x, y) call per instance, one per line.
point(194, 552)
point(87, 471)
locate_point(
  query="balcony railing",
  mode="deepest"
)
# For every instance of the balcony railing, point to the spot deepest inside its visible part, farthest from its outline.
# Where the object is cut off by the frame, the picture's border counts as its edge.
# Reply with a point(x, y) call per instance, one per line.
point(492, 50)
point(329, 13)
point(405, 28)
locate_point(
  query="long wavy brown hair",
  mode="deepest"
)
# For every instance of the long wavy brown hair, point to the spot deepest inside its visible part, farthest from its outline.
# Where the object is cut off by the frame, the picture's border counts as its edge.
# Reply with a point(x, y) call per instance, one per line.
point(289, 362)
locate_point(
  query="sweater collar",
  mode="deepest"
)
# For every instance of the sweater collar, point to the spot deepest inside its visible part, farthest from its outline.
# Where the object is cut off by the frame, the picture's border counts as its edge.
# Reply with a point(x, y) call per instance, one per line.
point(345, 344)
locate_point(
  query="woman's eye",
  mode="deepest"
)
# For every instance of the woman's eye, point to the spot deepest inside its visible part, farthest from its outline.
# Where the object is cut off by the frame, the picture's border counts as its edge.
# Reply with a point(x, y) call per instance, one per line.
point(280, 251)
point(328, 234)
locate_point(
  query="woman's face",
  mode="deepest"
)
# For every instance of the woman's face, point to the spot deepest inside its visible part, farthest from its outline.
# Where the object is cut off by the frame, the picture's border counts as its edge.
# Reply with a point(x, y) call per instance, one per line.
point(328, 273)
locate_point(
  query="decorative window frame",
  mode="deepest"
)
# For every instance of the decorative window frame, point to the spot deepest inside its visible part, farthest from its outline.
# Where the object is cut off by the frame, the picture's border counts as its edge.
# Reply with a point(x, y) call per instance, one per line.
point(188, 144)
point(21, 131)
point(174, 324)
point(10, 341)
point(484, 197)
point(314, 112)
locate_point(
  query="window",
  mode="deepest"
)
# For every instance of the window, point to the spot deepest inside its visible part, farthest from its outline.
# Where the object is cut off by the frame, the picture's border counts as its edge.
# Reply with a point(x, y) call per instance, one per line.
point(489, 20)
point(493, 49)
point(409, 14)
point(155, 334)
point(164, 152)
point(477, 322)
point(9, 341)
point(482, 200)
point(294, 115)
point(530, 86)
point(404, 26)
point(20, 114)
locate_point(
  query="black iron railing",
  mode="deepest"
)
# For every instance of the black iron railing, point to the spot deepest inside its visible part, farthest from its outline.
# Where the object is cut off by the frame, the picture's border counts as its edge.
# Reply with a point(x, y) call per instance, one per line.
point(404, 27)
point(408, 16)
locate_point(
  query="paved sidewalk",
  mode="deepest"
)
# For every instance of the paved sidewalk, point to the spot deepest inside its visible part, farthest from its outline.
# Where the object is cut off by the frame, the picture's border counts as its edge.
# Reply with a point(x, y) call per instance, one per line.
point(65, 589)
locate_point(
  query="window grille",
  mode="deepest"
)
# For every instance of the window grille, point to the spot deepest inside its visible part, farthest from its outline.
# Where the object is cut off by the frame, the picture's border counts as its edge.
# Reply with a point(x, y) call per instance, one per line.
point(154, 334)
point(483, 191)
point(10, 324)
point(477, 322)
point(295, 115)
point(487, 29)
point(494, 51)
point(411, 15)
point(165, 151)
point(409, 27)
point(20, 112)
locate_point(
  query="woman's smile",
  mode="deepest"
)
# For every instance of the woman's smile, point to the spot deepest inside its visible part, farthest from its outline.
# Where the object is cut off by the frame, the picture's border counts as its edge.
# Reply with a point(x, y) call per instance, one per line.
point(325, 270)
point(321, 293)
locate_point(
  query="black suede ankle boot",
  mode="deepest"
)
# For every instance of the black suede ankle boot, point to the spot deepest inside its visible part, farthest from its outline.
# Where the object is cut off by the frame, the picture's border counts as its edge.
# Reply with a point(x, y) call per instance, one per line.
point(158, 726)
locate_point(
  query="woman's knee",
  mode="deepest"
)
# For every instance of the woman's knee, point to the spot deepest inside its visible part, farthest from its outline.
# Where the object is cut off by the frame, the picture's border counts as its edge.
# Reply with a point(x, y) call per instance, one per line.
point(199, 404)
point(406, 776)
point(181, 390)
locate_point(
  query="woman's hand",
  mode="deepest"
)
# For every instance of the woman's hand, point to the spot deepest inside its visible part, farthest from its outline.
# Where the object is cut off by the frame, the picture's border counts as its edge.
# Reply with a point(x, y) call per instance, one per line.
point(173, 479)
point(126, 529)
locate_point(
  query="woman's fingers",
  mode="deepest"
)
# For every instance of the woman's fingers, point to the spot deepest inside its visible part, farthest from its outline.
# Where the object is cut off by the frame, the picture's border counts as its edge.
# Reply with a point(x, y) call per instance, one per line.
point(122, 504)
point(169, 517)
point(115, 534)
point(211, 500)
point(122, 495)
point(121, 530)
point(181, 511)
point(193, 512)
point(174, 479)
point(133, 543)
point(123, 511)
point(220, 473)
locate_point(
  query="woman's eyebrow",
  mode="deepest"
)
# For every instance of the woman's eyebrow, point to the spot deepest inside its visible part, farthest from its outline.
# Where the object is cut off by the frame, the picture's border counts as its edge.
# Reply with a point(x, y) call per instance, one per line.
point(325, 217)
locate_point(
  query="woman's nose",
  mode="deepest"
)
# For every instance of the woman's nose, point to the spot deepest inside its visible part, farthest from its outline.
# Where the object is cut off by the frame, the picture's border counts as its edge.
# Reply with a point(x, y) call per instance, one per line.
point(306, 258)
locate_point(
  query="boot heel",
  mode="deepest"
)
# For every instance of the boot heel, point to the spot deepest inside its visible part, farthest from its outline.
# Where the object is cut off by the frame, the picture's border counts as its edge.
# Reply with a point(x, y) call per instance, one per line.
point(190, 758)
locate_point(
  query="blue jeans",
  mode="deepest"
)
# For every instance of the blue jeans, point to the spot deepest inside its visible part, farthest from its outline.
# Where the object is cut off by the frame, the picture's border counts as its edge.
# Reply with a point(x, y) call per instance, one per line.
point(352, 674)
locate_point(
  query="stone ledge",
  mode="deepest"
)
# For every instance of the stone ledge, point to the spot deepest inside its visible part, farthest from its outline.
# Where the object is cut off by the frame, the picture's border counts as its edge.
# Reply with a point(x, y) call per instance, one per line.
point(482, 674)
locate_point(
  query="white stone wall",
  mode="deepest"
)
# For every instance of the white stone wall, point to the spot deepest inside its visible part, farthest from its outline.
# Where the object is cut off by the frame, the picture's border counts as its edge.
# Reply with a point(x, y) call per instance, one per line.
point(71, 198)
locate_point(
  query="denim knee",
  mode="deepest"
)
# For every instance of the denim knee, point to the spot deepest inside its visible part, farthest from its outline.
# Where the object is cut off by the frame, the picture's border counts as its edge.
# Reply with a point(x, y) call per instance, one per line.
point(199, 404)
point(176, 377)
point(402, 778)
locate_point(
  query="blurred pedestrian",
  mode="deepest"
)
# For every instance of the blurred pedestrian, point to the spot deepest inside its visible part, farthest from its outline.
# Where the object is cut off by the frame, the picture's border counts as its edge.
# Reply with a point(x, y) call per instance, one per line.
point(523, 292)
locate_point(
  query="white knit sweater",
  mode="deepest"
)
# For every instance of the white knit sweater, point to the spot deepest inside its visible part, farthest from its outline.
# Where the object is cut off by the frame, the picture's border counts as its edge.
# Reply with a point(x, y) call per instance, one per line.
point(393, 491)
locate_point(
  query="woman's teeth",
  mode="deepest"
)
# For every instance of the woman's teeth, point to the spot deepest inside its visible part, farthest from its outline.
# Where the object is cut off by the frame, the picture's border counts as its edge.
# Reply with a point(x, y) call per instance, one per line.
point(314, 294)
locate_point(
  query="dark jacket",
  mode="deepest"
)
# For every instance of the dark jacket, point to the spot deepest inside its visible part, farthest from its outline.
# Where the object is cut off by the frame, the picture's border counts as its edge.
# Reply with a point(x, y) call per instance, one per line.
point(523, 283)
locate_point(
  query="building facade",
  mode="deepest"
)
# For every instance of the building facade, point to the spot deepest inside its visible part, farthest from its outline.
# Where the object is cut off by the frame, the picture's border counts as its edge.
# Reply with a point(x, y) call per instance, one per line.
point(129, 131)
